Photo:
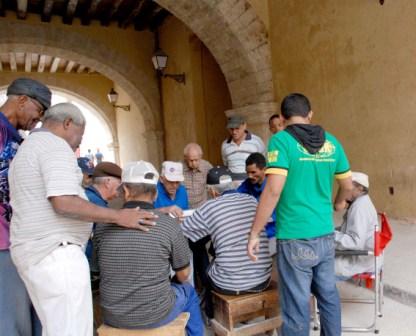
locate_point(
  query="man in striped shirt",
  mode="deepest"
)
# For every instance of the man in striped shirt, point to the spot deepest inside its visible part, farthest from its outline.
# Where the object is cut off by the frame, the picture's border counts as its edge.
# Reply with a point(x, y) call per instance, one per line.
point(239, 146)
point(227, 218)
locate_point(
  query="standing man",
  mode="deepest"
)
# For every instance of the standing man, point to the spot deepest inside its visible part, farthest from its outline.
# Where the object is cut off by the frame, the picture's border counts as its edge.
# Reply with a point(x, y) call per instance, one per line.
point(195, 174)
point(99, 156)
point(302, 163)
point(275, 123)
point(26, 101)
point(51, 223)
point(90, 156)
point(238, 147)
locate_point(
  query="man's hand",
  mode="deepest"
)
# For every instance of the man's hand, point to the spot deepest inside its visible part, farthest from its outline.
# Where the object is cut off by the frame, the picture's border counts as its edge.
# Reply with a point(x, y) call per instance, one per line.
point(136, 219)
point(340, 205)
point(173, 210)
point(253, 247)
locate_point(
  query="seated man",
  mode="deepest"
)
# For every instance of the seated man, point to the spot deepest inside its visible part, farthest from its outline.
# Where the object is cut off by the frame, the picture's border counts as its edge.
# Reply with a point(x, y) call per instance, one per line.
point(357, 230)
point(136, 292)
point(228, 218)
point(170, 191)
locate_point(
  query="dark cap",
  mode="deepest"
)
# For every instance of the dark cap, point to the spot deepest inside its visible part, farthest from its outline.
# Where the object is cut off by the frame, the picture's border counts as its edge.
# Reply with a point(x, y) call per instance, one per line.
point(104, 169)
point(87, 167)
point(219, 175)
point(31, 88)
point(235, 121)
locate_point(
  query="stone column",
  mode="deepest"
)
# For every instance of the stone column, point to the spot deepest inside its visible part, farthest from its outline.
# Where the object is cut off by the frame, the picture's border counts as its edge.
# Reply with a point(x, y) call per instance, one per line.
point(155, 147)
point(257, 117)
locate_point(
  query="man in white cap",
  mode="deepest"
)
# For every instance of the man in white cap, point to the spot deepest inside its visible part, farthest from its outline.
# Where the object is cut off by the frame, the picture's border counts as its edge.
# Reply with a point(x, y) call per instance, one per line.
point(357, 230)
point(26, 101)
point(135, 288)
point(170, 191)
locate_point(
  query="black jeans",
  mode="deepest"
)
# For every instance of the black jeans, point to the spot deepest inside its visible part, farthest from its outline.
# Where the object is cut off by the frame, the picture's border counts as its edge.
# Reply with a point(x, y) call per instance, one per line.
point(201, 260)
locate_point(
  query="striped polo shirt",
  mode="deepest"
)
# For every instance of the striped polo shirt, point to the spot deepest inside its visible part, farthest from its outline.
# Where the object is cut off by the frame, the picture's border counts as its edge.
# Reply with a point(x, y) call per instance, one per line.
point(134, 267)
point(44, 166)
point(228, 220)
point(234, 156)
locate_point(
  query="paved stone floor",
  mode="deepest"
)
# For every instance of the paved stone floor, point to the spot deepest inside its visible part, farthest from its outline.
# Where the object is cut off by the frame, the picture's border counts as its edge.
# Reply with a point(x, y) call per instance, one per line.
point(399, 318)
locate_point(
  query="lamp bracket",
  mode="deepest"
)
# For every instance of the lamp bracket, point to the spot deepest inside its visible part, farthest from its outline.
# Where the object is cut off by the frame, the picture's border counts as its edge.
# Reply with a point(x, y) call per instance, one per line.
point(180, 78)
point(123, 107)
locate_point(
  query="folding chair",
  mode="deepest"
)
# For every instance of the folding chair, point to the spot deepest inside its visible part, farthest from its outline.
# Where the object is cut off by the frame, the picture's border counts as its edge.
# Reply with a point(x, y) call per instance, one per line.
point(382, 236)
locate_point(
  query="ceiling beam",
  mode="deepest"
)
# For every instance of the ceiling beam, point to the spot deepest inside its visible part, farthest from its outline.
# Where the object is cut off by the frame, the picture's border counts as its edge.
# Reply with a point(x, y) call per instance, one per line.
point(69, 66)
point(114, 9)
point(70, 11)
point(55, 64)
point(81, 68)
point(90, 13)
point(47, 10)
point(135, 12)
point(13, 64)
point(42, 62)
point(28, 62)
point(2, 12)
point(21, 9)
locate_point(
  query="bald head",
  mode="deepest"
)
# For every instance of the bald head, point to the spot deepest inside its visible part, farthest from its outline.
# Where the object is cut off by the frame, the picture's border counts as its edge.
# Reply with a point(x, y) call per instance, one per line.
point(192, 155)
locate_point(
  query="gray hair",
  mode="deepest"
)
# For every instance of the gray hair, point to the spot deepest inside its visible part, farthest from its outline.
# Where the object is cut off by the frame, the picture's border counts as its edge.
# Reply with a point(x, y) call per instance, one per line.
point(62, 111)
point(191, 146)
point(137, 189)
point(220, 188)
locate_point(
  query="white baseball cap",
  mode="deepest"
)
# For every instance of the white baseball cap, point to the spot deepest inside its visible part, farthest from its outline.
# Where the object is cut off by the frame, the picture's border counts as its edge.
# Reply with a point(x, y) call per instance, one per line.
point(172, 171)
point(361, 178)
point(139, 172)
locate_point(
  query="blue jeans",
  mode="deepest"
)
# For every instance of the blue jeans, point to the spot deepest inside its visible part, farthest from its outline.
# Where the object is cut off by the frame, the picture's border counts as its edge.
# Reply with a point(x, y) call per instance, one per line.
point(305, 266)
point(186, 301)
point(17, 315)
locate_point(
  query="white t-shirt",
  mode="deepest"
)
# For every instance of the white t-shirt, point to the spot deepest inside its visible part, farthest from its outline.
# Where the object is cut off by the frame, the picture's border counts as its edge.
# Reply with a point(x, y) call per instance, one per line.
point(44, 166)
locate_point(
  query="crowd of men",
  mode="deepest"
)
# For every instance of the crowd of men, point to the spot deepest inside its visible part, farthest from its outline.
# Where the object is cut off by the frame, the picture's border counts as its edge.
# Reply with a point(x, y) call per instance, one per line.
point(256, 214)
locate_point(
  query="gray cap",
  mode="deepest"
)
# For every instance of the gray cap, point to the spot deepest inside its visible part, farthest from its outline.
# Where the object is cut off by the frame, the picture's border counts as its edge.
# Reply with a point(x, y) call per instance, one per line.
point(235, 121)
point(31, 88)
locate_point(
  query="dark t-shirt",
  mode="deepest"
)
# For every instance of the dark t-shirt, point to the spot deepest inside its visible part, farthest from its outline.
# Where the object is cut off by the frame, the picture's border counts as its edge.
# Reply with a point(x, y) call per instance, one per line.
point(135, 267)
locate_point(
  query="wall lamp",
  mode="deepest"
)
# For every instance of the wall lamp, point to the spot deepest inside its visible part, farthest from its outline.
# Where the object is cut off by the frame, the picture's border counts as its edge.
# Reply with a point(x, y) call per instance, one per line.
point(112, 98)
point(160, 61)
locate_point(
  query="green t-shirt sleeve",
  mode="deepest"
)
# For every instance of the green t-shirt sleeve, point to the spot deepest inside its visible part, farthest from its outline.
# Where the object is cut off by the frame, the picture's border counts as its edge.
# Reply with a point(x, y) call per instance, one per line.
point(342, 166)
point(277, 156)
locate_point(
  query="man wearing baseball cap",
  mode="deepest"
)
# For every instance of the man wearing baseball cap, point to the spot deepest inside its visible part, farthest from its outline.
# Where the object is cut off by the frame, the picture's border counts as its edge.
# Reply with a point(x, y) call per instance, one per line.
point(170, 191)
point(26, 101)
point(357, 230)
point(135, 288)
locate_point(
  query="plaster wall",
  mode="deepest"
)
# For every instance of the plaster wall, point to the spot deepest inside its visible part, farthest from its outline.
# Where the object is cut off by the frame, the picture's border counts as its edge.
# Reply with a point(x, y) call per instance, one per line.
point(355, 61)
point(193, 112)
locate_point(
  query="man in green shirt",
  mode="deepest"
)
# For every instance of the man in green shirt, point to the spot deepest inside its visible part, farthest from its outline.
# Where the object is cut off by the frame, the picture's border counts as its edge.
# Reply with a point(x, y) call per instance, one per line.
point(302, 163)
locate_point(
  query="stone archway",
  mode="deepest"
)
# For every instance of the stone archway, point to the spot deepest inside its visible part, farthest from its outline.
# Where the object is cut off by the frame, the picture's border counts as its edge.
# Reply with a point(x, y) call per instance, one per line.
point(238, 40)
point(140, 85)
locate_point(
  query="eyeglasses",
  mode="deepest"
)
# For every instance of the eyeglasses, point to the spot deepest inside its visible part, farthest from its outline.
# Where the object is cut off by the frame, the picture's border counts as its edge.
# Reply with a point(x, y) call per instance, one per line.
point(38, 106)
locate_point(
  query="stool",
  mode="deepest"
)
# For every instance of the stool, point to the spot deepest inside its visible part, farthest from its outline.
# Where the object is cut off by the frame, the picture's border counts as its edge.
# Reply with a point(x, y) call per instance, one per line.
point(174, 328)
point(232, 309)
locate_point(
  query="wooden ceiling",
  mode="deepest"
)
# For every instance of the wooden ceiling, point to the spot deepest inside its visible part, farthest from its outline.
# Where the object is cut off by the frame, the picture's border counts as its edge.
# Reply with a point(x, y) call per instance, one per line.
point(140, 14)
point(31, 62)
